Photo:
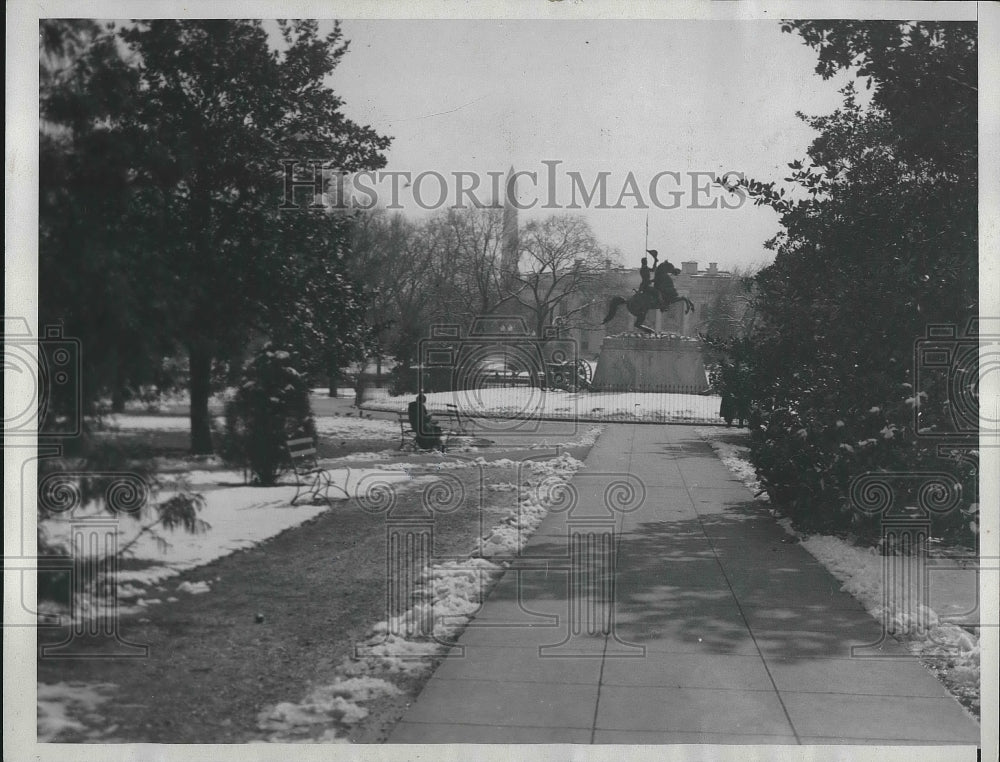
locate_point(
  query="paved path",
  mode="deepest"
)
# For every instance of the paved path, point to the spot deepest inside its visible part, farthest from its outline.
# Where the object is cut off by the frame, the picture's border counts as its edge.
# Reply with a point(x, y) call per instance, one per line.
point(723, 631)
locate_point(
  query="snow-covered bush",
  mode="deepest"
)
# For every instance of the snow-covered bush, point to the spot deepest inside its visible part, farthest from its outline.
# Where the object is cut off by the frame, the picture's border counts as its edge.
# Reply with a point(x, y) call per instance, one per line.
point(270, 406)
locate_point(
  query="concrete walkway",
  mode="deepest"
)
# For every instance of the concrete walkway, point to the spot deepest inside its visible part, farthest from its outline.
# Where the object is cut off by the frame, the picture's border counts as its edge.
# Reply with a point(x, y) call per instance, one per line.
point(721, 630)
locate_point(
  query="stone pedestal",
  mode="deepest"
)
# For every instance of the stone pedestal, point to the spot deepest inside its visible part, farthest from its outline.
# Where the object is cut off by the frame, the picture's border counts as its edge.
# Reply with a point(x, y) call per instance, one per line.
point(650, 364)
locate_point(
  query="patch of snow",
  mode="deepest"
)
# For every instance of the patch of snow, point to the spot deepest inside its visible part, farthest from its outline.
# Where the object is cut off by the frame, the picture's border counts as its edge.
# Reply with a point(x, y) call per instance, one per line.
point(356, 428)
point(734, 457)
point(342, 391)
point(126, 590)
point(332, 426)
point(72, 706)
point(206, 478)
point(359, 456)
point(128, 422)
point(165, 464)
point(586, 439)
point(238, 518)
point(502, 487)
point(325, 705)
point(385, 651)
point(194, 588)
point(154, 399)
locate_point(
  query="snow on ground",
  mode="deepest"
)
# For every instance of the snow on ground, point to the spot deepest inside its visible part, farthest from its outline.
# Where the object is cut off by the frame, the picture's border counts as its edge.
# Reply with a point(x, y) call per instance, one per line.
point(337, 426)
point(166, 464)
point(342, 392)
point(530, 403)
point(332, 426)
point(356, 428)
point(356, 457)
point(72, 707)
point(199, 478)
point(242, 516)
point(584, 440)
point(949, 650)
point(239, 517)
point(448, 595)
point(734, 457)
point(158, 401)
point(929, 628)
point(194, 588)
point(324, 703)
point(129, 422)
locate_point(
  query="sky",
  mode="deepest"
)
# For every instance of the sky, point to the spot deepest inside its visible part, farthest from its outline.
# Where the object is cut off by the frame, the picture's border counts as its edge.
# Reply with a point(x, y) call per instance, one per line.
point(641, 97)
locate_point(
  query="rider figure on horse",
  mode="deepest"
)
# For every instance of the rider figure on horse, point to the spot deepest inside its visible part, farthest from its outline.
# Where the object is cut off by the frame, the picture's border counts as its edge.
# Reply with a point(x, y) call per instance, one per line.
point(660, 283)
point(656, 291)
point(646, 273)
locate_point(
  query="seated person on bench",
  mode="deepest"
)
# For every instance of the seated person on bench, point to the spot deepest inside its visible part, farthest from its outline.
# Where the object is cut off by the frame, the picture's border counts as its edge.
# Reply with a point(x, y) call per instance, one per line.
point(427, 432)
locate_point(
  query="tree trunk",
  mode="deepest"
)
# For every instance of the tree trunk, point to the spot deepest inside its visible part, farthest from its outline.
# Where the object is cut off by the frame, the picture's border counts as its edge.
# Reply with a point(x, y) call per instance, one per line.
point(117, 385)
point(118, 398)
point(199, 387)
point(332, 375)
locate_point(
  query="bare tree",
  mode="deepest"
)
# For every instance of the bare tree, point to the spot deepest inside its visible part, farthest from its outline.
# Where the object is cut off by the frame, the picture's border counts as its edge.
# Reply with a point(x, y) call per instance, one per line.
point(469, 250)
point(559, 259)
point(390, 258)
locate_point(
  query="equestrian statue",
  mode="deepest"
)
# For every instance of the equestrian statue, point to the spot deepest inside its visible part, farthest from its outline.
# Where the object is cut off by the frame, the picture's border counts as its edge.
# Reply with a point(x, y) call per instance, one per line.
point(656, 292)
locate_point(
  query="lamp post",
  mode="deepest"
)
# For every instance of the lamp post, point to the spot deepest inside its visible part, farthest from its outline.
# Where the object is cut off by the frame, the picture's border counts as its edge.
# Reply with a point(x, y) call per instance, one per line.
point(506, 329)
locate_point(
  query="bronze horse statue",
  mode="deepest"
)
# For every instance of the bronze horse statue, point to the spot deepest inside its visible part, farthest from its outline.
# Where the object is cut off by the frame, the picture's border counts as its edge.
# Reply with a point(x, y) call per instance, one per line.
point(659, 295)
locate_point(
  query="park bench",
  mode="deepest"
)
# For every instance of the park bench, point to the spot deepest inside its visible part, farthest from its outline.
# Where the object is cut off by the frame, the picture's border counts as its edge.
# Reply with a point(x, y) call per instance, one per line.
point(406, 432)
point(456, 425)
point(451, 417)
point(310, 478)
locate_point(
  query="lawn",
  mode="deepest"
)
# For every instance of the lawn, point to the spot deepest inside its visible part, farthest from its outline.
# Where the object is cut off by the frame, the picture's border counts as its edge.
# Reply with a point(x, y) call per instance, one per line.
point(253, 626)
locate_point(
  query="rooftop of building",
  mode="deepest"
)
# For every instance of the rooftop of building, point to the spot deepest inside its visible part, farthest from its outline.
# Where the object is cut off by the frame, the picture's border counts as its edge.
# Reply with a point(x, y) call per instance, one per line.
point(689, 268)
